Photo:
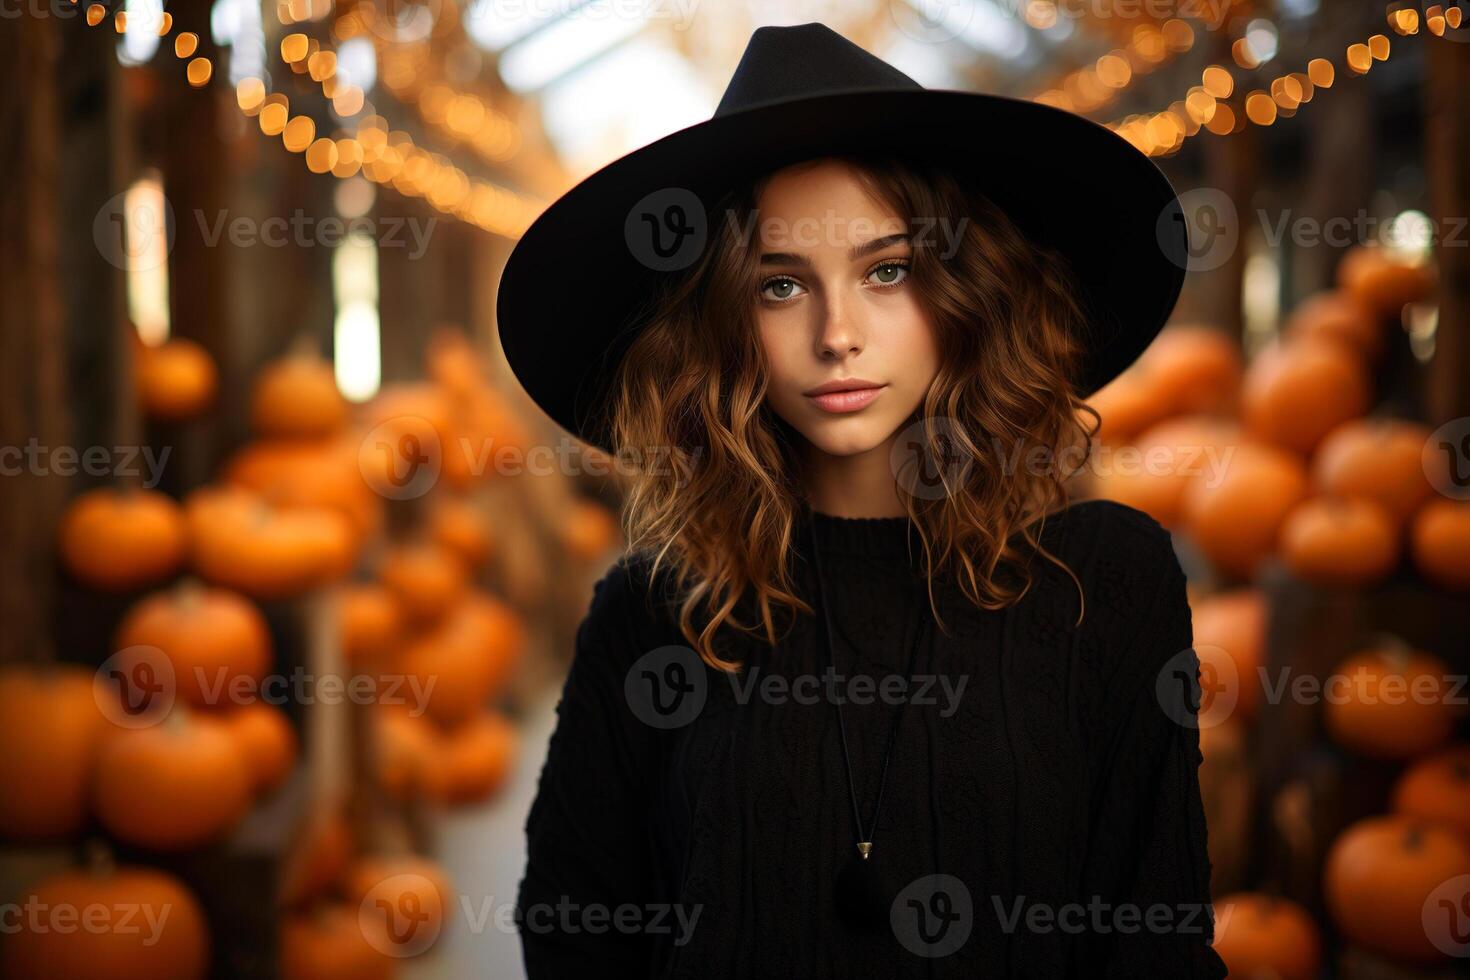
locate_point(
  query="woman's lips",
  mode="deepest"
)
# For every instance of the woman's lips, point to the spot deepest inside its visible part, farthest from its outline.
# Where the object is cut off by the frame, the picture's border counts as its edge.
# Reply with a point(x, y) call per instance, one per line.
point(847, 401)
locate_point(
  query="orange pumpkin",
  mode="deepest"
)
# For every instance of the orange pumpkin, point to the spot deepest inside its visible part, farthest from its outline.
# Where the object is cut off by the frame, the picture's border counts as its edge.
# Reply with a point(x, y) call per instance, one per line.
point(478, 757)
point(1381, 283)
point(298, 473)
point(238, 540)
point(122, 540)
point(1436, 790)
point(176, 380)
point(51, 728)
point(335, 942)
point(459, 526)
point(426, 579)
point(452, 363)
point(1378, 459)
point(1340, 541)
point(1154, 475)
point(1298, 391)
point(319, 860)
point(268, 741)
point(1260, 936)
point(407, 758)
point(1236, 516)
point(172, 786)
point(588, 530)
point(159, 929)
point(372, 623)
point(424, 414)
point(491, 424)
point(1440, 542)
point(1196, 369)
point(506, 639)
point(1389, 703)
point(1126, 406)
point(402, 882)
point(296, 397)
point(467, 658)
point(1230, 625)
point(1379, 875)
point(1338, 318)
point(216, 641)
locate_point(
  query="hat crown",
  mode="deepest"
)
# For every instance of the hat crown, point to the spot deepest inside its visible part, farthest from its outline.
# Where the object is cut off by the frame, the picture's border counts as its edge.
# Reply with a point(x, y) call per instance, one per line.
point(800, 61)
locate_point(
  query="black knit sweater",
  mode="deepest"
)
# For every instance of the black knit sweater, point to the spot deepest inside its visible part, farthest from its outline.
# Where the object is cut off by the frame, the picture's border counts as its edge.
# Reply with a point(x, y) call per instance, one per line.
point(1042, 813)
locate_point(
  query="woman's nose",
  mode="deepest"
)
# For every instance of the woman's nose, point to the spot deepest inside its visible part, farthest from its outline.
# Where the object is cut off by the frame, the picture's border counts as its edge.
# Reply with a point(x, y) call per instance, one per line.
point(840, 335)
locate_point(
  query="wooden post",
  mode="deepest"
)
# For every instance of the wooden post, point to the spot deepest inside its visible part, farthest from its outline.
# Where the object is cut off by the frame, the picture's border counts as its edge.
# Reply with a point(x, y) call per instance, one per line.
point(1447, 152)
point(32, 334)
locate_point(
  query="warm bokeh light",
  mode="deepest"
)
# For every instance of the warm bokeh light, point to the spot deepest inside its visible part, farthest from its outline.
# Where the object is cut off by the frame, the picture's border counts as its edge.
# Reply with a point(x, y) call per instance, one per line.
point(1218, 82)
point(199, 72)
point(299, 133)
point(1260, 108)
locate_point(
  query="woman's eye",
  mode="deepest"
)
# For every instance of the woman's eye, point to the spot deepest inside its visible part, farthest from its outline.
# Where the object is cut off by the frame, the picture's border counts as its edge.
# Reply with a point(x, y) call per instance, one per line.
point(890, 273)
point(779, 289)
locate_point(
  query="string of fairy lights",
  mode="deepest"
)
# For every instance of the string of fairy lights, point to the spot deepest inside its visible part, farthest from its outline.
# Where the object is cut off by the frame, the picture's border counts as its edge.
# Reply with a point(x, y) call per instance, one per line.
point(390, 157)
point(1096, 85)
point(1205, 107)
point(380, 153)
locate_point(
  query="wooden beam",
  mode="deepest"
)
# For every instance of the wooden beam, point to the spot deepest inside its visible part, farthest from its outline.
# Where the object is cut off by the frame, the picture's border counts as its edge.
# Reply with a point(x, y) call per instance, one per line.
point(1447, 155)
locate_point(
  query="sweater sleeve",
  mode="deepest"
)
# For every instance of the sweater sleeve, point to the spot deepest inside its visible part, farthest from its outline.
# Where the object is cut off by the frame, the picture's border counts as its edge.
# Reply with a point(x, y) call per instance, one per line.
point(589, 851)
point(1148, 868)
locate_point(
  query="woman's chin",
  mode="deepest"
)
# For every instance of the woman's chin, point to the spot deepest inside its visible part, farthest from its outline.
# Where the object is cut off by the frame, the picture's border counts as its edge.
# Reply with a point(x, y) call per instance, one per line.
point(851, 436)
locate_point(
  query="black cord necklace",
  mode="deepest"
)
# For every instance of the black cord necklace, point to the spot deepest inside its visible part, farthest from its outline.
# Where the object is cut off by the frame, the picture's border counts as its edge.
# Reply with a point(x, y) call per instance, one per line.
point(862, 897)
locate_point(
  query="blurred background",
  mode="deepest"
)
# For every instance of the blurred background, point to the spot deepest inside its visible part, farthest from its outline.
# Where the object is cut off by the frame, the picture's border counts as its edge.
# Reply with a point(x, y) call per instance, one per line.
point(290, 571)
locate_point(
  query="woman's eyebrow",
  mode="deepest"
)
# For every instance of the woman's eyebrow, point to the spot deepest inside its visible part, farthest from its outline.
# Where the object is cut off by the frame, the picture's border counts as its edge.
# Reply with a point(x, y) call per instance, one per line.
point(855, 253)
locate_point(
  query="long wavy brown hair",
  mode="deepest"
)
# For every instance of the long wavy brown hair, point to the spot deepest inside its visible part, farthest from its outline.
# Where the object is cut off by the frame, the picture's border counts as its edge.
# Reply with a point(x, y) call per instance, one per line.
point(721, 517)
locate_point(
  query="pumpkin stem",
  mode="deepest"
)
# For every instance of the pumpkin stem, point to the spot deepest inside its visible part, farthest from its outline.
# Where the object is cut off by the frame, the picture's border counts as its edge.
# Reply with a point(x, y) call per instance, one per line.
point(98, 856)
point(305, 346)
point(189, 593)
point(176, 722)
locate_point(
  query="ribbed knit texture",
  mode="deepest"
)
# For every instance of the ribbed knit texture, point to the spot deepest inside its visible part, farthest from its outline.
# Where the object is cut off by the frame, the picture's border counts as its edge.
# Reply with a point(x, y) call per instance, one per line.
point(1060, 781)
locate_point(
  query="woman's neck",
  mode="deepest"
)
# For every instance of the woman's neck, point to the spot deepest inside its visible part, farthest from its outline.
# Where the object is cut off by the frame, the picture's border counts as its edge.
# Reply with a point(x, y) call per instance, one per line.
point(860, 485)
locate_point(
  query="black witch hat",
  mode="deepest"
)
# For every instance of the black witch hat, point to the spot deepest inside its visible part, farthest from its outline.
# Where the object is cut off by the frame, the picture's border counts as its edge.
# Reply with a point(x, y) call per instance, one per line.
point(575, 285)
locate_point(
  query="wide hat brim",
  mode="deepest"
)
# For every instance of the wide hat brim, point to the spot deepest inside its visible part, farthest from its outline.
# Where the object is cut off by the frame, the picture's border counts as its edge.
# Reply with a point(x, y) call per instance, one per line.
point(575, 289)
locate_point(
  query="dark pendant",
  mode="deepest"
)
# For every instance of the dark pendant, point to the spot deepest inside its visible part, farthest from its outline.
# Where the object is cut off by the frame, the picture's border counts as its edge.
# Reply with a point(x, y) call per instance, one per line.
point(862, 900)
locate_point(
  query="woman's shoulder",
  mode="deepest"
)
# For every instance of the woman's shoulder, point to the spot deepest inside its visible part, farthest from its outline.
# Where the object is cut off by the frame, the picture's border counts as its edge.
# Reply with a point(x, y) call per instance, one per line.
point(1123, 558)
point(1099, 525)
point(631, 601)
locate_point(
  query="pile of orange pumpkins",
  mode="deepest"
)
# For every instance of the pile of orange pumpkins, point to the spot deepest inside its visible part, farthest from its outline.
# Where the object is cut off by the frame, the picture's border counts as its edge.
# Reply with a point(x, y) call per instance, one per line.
point(338, 908)
point(296, 514)
point(1396, 887)
point(1279, 460)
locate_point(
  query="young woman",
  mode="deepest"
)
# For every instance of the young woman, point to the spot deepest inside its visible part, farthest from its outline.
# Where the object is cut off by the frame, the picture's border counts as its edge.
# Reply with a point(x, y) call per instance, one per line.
point(867, 696)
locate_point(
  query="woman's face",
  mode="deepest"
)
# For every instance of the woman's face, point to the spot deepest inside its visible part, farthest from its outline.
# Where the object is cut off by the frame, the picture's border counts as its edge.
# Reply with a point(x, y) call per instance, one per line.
point(835, 308)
